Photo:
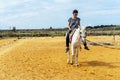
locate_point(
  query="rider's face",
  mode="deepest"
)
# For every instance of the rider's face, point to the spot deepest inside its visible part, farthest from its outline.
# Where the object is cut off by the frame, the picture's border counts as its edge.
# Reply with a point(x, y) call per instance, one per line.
point(75, 14)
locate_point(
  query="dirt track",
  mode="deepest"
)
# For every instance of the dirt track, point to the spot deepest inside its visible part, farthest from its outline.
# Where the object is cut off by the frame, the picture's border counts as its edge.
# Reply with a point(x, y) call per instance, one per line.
point(45, 59)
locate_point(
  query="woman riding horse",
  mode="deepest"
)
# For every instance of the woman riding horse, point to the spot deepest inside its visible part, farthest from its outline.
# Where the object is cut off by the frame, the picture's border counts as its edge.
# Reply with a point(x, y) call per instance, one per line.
point(73, 23)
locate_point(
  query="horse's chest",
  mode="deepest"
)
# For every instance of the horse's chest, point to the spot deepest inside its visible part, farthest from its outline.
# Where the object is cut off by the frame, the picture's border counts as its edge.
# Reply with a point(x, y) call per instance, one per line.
point(76, 44)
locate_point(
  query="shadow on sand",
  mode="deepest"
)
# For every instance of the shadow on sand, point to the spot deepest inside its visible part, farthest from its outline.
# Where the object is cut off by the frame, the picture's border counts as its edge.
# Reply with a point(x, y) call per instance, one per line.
point(105, 45)
point(99, 63)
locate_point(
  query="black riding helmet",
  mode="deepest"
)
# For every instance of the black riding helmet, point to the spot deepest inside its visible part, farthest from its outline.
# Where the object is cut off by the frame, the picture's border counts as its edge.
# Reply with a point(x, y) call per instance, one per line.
point(75, 11)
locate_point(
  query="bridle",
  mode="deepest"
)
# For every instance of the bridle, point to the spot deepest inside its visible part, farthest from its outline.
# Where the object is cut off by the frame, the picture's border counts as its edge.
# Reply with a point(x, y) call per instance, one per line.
point(81, 34)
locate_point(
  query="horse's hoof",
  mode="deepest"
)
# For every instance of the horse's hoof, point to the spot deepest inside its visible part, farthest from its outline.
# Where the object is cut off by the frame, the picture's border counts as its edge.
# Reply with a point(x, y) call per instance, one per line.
point(71, 63)
point(68, 61)
point(76, 65)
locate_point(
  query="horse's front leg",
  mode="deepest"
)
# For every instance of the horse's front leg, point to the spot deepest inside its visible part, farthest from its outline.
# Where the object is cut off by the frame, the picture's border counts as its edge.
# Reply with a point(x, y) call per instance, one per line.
point(73, 55)
point(76, 61)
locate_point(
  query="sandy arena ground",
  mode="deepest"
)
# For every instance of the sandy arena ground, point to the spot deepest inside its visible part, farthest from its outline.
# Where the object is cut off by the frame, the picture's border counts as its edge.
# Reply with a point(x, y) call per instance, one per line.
point(45, 59)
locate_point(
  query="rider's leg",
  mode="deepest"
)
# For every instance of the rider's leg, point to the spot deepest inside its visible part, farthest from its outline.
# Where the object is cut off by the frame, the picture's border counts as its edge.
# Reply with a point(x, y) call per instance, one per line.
point(67, 41)
point(85, 44)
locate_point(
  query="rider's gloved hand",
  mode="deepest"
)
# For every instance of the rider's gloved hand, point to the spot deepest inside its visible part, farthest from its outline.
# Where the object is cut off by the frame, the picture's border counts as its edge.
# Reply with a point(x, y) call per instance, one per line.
point(70, 30)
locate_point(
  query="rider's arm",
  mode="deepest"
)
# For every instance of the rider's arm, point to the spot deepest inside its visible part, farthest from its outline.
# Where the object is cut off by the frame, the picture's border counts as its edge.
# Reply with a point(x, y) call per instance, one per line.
point(79, 24)
point(69, 26)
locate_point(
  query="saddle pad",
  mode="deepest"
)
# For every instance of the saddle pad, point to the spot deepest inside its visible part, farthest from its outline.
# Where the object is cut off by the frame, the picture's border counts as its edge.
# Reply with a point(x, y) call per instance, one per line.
point(71, 35)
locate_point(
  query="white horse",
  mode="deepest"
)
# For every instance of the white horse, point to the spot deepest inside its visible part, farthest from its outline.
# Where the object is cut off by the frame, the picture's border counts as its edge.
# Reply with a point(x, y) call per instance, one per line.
point(78, 37)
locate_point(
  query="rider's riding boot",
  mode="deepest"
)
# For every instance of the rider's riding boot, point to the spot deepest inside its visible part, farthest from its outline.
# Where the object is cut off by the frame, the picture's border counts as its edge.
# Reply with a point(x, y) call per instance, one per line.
point(67, 49)
point(85, 46)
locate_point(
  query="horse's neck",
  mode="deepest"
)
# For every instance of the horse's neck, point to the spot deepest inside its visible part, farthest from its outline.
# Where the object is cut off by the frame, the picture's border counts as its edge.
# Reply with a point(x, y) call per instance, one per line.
point(76, 36)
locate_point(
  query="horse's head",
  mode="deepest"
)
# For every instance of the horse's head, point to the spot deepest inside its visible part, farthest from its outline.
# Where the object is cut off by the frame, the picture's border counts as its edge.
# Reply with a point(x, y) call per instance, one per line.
point(82, 31)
